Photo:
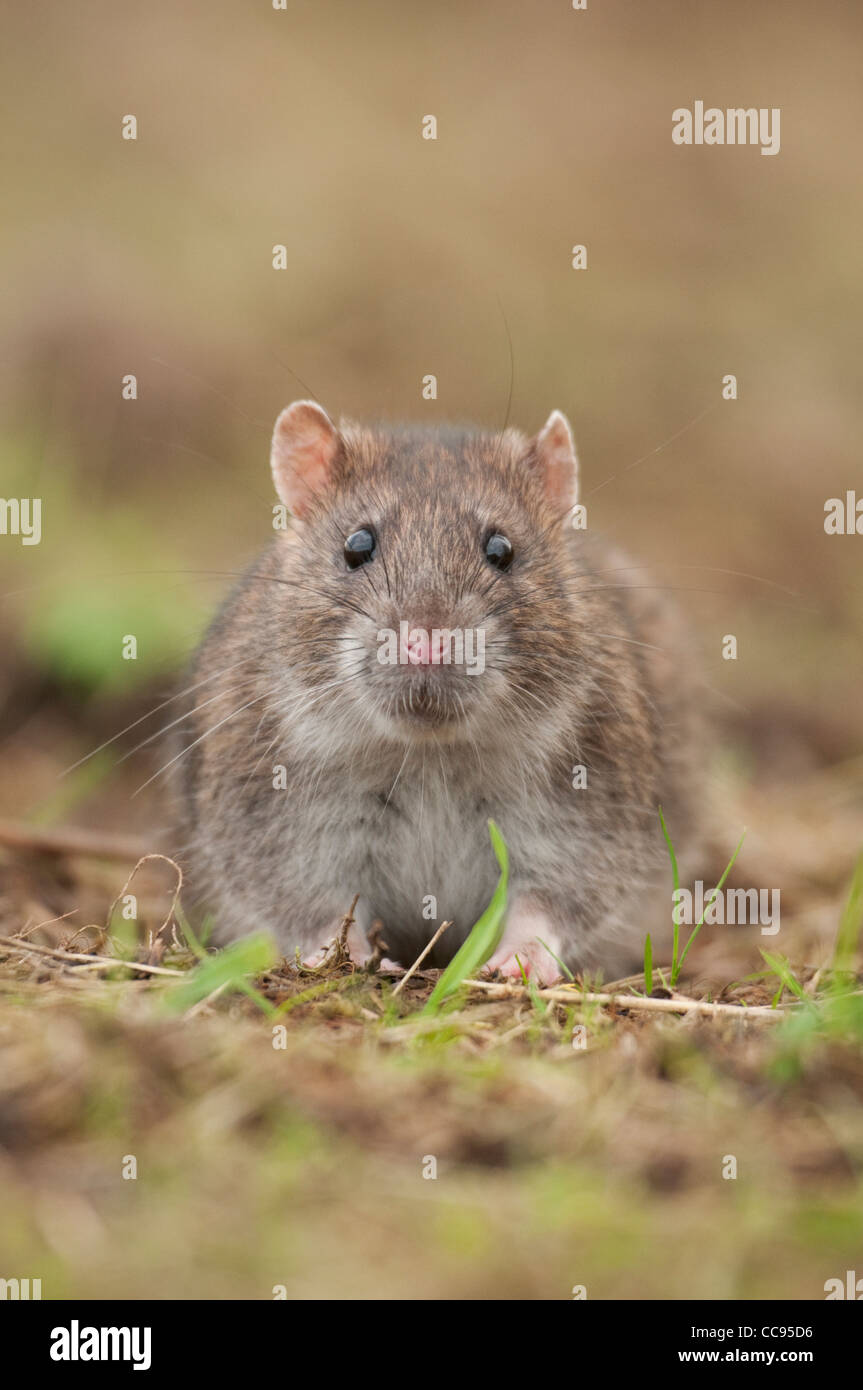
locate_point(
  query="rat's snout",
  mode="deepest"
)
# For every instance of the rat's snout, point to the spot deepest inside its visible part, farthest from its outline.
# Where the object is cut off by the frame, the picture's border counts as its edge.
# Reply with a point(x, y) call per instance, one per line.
point(430, 658)
point(424, 646)
point(425, 629)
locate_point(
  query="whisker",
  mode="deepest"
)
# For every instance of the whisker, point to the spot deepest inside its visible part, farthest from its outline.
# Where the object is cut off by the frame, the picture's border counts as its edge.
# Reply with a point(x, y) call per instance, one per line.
point(155, 710)
point(204, 735)
point(664, 445)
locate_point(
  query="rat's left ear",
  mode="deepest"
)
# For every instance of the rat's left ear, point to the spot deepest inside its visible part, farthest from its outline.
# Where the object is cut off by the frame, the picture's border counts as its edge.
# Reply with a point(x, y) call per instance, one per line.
point(554, 453)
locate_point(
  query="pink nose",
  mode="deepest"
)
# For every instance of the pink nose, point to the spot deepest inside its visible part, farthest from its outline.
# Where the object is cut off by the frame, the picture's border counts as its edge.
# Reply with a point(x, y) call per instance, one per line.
point(422, 649)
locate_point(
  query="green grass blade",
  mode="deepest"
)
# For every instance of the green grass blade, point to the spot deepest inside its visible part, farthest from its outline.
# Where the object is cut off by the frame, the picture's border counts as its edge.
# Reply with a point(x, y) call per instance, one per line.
point(850, 924)
point(484, 937)
point(564, 969)
point(260, 999)
point(675, 878)
point(780, 967)
point(195, 946)
point(700, 923)
point(228, 968)
point(648, 965)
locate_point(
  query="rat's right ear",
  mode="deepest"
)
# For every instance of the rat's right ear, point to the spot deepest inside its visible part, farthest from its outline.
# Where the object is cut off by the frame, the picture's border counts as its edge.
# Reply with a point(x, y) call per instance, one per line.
point(554, 454)
point(305, 444)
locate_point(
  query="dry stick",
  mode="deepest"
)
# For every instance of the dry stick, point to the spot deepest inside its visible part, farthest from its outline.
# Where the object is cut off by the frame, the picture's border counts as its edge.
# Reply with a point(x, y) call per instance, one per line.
point(25, 947)
point(208, 999)
point(630, 1001)
point(37, 926)
point(97, 844)
point(143, 860)
point(347, 922)
point(420, 958)
point(336, 951)
point(378, 945)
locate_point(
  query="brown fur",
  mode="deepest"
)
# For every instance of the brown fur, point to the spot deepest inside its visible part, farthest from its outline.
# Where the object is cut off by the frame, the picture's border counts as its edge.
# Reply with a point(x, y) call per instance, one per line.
point(393, 772)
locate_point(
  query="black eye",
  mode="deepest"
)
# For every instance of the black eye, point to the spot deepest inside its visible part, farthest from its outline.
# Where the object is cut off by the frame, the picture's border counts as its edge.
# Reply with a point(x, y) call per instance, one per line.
point(359, 548)
point(498, 551)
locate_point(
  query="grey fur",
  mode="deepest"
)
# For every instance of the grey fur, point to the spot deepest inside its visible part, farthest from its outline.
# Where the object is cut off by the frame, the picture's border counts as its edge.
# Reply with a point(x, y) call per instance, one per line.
point(394, 807)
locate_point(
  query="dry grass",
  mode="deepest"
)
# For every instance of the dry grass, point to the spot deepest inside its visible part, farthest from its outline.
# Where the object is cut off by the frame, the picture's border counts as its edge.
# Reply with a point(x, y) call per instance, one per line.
point(302, 1165)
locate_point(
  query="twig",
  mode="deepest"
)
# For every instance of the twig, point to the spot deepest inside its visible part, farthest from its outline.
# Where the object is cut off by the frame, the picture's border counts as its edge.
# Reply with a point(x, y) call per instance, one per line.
point(378, 945)
point(208, 999)
point(25, 947)
point(98, 844)
point(420, 958)
point(336, 952)
point(811, 985)
point(25, 931)
point(630, 1001)
point(143, 860)
point(347, 923)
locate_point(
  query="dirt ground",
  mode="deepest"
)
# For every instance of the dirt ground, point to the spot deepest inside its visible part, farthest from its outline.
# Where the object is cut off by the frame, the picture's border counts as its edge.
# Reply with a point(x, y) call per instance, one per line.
point(347, 1145)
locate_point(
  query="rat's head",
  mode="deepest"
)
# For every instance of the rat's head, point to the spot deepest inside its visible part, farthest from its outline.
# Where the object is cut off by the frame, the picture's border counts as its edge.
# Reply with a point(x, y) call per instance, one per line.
point(428, 574)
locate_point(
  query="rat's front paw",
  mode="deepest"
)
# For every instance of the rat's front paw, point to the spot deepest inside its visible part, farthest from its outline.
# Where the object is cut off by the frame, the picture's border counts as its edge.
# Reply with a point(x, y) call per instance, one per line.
point(359, 949)
point(530, 936)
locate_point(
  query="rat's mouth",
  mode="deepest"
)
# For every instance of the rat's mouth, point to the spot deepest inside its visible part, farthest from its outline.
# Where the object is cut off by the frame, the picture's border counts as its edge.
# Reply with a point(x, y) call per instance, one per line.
point(427, 705)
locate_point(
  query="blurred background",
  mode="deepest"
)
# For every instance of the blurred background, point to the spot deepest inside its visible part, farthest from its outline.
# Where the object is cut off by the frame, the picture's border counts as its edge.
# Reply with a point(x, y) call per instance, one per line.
point(407, 256)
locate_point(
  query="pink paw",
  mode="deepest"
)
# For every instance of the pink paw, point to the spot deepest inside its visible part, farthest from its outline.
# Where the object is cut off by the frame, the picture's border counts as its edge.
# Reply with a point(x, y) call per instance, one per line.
point(536, 963)
point(526, 929)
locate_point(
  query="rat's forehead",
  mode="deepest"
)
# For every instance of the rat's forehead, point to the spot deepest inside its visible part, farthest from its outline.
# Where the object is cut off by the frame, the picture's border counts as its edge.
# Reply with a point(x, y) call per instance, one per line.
point(406, 512)
point(469, 461)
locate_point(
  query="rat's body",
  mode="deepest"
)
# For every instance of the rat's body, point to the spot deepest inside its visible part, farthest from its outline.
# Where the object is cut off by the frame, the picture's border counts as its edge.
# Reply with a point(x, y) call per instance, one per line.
point(320, 773)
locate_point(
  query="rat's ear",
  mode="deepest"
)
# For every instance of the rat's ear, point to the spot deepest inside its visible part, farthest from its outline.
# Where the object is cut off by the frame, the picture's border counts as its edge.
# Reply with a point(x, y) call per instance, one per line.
point(554, 454)
point(305, 444)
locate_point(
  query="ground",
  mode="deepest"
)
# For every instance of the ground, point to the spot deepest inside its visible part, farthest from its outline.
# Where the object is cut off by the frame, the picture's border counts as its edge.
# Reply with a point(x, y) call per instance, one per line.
point(349, 1145)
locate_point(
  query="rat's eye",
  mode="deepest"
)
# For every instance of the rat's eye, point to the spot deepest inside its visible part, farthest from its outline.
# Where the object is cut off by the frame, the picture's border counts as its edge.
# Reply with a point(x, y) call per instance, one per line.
point(498, 551)
point(359, 548)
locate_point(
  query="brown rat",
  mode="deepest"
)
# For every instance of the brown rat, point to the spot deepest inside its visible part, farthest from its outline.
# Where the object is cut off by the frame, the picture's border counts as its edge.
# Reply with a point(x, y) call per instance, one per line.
point(431, 643)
